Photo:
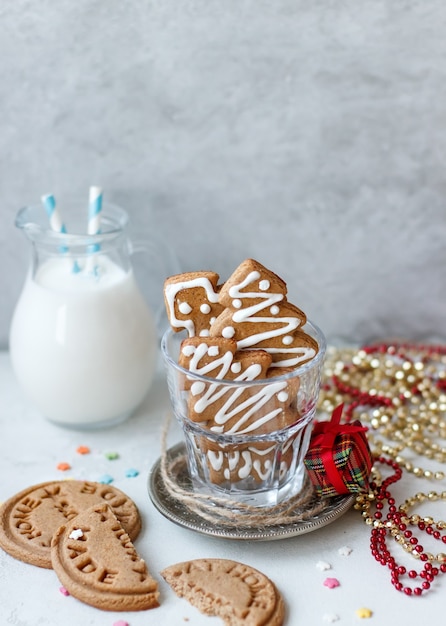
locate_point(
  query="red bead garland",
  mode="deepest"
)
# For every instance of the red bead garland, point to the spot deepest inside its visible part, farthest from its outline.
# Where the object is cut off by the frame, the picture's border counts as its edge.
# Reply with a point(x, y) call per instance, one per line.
point(383, 526)
point(389, 386)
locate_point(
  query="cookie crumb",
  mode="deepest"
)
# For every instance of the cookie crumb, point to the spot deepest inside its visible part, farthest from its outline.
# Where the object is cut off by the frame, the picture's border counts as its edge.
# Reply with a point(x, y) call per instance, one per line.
point(331, 583)
point(63, 467)
point(364, 613)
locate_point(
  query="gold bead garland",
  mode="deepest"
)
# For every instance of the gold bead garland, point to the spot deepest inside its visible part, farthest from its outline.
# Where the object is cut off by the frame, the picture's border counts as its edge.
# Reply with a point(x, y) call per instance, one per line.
point(364, 504)
point(399, 393)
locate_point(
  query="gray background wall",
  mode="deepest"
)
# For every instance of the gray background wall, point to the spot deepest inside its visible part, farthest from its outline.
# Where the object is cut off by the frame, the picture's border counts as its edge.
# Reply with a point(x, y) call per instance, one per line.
point(308, 135)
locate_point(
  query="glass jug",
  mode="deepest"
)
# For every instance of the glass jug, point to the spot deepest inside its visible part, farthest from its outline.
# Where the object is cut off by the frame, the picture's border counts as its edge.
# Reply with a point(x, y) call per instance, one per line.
point(83, 341)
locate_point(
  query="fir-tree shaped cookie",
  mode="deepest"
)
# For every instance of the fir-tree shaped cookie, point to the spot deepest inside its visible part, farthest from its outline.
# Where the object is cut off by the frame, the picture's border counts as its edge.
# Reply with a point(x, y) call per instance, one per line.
point(257, 314)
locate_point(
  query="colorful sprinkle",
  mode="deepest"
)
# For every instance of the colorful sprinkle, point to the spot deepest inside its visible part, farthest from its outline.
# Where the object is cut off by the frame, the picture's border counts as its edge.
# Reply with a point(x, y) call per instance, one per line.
point(345, 550)
point(323, 565)
point(331, 583)
point(364, 613)
point(131, 472)
point(121, 623)
point(106, 479)
point(111, 456)
point(64, 591)
point(63, 467)
point(76, 534)
point(83, 450)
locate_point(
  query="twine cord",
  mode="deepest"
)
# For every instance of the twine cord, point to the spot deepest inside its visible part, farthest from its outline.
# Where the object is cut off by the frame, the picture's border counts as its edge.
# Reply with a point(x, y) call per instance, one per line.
point(230, 512)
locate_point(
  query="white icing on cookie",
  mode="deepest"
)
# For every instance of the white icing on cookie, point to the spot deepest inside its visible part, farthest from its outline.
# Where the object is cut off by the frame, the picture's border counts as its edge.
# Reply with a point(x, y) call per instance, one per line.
point(233, 460)
point(302, 353)
point(245, 469)
point(184, 308)
point(283, 470)
point(188, 350)
point(215, 459)
point(265, 471)
point(228, 332)
point(197, 387)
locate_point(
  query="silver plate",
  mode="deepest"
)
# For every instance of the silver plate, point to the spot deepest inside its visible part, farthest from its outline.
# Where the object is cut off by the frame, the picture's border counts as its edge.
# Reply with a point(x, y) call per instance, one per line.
point(176, 512)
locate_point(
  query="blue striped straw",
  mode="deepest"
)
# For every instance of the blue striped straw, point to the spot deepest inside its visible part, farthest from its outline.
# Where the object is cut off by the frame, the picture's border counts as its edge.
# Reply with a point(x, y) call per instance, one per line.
point(56, 224)
point(94, 211)
point(49, 202)
point(94, 219)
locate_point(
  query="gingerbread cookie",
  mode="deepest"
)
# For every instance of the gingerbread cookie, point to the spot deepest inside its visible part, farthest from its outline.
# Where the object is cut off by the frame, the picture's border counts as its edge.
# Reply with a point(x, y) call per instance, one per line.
point(228, 409)
point(237, 593)
point(97, 563)
point(191, 301)
point(29, 519)
point(257, 314)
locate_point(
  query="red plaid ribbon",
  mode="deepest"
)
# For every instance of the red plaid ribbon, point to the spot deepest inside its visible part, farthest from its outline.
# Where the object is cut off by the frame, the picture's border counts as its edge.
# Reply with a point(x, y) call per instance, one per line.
point(339, 458)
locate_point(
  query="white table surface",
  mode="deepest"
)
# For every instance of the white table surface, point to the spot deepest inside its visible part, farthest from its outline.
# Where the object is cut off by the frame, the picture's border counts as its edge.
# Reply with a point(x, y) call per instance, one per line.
point(30, 450)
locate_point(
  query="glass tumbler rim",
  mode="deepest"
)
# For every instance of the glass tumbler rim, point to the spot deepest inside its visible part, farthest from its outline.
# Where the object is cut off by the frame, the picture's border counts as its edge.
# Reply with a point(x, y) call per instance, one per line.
point(297, 372)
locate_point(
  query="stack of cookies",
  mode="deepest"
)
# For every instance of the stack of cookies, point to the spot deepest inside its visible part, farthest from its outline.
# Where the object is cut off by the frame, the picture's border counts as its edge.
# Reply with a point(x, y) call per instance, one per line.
point(84, 531)
point(244, 330)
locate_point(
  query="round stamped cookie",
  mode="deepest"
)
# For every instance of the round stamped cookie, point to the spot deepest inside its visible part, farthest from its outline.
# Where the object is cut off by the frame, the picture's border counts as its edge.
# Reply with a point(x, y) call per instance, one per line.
point(233, 591)
point(29, 519)
point(97, 563)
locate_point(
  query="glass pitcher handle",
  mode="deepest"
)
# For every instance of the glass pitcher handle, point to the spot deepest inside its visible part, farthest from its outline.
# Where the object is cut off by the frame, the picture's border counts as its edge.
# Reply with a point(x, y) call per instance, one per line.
point(161, 262)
